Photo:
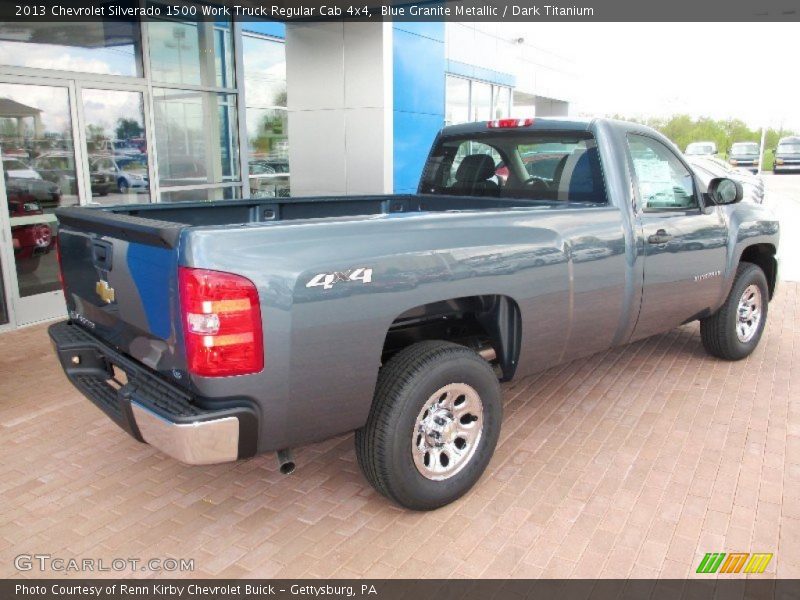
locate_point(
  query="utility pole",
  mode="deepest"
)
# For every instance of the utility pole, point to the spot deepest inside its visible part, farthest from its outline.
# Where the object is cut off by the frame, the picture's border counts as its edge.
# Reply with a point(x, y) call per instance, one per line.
point(761, 149)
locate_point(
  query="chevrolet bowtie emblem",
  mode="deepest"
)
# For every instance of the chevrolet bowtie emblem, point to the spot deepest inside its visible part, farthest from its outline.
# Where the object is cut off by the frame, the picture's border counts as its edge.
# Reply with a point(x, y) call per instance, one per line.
point(105, 291)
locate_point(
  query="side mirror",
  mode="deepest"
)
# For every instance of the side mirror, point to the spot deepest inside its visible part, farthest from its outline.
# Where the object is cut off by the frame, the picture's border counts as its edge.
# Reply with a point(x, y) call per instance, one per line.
point(722, 190)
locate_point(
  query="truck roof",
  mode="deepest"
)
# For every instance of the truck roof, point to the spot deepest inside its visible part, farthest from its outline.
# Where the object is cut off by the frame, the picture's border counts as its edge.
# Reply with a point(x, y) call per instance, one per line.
point(539, 124)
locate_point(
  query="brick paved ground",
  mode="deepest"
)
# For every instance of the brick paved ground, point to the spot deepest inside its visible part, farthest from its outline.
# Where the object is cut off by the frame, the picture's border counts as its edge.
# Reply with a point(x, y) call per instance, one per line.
point(634, 462)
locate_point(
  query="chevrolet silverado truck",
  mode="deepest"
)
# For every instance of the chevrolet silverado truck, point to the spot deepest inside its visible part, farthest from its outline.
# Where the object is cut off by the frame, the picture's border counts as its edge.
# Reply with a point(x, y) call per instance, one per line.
point(219, 331)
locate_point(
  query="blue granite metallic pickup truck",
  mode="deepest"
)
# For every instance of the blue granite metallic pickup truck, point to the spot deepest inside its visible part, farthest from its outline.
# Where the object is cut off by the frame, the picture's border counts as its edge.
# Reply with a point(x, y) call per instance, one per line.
point(218, 331)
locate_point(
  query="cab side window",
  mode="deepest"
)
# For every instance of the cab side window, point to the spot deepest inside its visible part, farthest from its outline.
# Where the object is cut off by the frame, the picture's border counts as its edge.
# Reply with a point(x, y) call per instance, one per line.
point(664, 183)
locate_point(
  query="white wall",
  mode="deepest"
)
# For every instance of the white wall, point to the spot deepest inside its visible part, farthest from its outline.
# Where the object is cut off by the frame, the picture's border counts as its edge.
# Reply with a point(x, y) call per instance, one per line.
point(541, 69)
point(339, 90)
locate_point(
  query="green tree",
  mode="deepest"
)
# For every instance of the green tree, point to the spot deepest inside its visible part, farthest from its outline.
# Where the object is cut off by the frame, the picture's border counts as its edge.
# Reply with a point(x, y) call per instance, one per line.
point(683, 130)
point(128, 129)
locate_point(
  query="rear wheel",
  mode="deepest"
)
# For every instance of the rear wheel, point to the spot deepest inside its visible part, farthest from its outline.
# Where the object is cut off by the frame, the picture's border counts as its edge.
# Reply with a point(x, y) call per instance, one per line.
point(433, 427)
point(733, 332)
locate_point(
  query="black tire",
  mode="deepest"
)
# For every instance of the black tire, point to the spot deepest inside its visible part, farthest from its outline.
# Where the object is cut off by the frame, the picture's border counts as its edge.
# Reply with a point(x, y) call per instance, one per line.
point(122, 186)
point(719, 333)
point(27, 266)
point(407, 383)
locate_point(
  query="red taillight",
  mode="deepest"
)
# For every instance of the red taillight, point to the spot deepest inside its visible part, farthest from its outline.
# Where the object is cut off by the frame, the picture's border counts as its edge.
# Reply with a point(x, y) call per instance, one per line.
point(221, 323)
point(506, 123)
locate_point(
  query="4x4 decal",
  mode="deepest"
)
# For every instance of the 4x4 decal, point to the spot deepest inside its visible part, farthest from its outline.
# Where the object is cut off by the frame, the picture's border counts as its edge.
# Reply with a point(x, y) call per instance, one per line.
point(328, 280)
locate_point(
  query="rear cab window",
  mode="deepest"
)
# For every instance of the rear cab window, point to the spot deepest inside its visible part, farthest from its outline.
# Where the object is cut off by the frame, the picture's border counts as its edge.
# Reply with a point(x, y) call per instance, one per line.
point(530, 165)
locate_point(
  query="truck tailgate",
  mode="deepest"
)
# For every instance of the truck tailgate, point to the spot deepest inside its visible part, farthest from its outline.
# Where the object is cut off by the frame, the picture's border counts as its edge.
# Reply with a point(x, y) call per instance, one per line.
point(120, 280)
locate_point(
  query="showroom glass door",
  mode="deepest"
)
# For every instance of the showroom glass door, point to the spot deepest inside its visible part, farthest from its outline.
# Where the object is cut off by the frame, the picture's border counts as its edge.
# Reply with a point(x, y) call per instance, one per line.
point(40, 173)
point(114, 144)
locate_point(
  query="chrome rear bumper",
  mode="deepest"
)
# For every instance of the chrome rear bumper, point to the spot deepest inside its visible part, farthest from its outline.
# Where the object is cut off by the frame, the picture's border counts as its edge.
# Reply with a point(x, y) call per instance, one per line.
point(197, 443)
point(151, 409)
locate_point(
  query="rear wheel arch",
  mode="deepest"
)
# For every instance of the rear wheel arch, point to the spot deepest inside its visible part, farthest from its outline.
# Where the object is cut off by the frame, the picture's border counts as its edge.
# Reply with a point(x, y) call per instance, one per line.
point(490, 324)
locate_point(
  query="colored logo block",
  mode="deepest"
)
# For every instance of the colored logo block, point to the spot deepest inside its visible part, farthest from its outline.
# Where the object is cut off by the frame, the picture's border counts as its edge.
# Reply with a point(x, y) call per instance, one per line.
point(734, 562)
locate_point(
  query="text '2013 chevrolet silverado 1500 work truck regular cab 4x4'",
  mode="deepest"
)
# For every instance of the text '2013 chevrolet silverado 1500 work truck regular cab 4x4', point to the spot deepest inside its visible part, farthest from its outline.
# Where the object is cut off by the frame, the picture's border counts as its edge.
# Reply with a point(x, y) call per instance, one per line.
point(253, 326)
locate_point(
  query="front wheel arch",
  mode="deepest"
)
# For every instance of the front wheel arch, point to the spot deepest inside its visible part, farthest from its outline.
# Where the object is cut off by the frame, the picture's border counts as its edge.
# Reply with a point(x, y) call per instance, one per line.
point(763, 256)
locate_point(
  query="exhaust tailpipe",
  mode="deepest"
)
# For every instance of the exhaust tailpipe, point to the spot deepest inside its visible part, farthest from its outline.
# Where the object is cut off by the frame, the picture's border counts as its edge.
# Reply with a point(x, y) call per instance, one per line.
point(488, 353)
point(285, 461)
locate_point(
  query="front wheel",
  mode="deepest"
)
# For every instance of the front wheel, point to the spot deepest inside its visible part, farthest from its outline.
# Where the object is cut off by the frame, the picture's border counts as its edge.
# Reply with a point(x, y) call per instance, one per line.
point(433, 427)
point(733, 332)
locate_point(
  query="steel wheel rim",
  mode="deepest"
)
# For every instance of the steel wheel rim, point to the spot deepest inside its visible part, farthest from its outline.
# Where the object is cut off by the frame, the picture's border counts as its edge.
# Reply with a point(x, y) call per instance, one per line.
point(748, 314)
point(447, 431)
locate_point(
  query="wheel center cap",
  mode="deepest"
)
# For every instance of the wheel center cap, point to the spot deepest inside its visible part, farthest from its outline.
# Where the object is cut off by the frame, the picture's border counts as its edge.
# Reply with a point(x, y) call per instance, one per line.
point(439, 428)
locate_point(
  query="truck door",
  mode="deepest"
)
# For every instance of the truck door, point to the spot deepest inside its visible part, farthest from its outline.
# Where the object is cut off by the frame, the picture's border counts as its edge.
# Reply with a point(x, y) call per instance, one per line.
point(684, 245)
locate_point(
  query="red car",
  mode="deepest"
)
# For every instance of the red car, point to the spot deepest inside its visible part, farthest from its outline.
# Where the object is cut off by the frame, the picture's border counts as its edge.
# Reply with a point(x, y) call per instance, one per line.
point(31, 241)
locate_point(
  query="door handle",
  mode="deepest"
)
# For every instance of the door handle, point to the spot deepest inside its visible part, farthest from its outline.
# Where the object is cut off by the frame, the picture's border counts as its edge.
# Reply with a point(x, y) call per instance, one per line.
point(659, 237)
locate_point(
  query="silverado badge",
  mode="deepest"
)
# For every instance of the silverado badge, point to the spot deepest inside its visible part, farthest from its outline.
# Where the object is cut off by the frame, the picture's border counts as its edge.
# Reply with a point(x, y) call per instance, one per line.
point(105, 291)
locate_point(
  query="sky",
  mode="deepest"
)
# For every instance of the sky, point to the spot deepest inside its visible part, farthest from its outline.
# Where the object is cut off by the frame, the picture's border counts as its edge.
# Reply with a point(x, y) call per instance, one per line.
point(719, 70)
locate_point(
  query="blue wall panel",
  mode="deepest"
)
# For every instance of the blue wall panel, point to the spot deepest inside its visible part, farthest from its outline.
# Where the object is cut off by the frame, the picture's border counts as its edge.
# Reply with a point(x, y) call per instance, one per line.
point(273, 28)
point(418, 72)
point(413, 136)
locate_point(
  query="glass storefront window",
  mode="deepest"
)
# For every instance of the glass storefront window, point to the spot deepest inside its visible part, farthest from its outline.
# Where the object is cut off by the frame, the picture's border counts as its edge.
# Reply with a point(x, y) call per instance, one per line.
point(469, 100)
point(267, 119)
point(269, 152)
point(36, 143)
point(39, 173)
point(196, 137)
point(264, 71)
point(196, 53)
point(203, 195)
point(104, 47)
point(502, 102)
point(116, 146)
point(456, 100)
point(481, 101)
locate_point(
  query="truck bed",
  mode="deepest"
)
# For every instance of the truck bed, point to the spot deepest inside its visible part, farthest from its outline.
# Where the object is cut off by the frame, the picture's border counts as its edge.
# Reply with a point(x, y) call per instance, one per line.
point(161, 224)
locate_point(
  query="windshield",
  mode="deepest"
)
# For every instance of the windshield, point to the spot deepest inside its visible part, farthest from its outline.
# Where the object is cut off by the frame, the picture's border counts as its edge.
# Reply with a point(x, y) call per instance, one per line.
point(744, 149)
point(563, 166)
point(700, 149)
point(789, 148)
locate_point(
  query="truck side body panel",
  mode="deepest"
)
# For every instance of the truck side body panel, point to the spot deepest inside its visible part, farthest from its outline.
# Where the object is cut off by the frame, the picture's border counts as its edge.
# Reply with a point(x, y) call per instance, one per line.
point(323, 346)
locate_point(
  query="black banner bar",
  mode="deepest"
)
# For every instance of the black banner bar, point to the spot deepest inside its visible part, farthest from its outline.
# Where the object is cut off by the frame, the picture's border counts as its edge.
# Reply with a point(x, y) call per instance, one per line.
point(400, 589)
point(402, 10)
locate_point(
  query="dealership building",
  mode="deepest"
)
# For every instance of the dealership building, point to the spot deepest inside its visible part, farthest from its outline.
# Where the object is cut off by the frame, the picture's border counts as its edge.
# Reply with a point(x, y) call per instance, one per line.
point(114, 112)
